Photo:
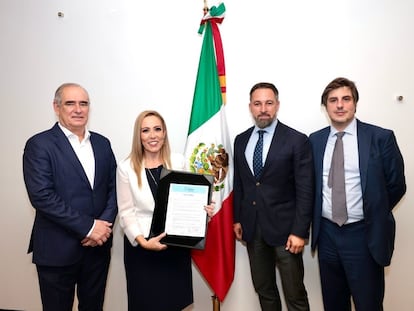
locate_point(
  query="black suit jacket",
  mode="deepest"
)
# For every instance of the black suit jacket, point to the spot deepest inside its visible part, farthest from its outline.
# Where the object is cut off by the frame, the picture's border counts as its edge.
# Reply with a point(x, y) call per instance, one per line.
point(281, 201)
point(66, 205)
point(381, 169)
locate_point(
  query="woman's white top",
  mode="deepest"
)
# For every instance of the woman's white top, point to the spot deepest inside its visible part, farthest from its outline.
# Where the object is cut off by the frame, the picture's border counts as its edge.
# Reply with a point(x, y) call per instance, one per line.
point(136, 205)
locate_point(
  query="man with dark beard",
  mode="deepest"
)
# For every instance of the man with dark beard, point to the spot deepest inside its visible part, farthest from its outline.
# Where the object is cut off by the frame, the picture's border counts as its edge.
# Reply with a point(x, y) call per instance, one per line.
point(273, 199)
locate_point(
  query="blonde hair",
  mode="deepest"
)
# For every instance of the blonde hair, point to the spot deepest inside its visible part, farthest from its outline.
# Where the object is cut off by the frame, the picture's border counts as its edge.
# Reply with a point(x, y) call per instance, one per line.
point(137, 150)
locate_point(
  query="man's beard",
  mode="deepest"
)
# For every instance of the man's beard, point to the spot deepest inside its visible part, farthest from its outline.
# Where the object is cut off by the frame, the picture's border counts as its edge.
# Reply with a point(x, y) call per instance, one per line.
point(263, 123)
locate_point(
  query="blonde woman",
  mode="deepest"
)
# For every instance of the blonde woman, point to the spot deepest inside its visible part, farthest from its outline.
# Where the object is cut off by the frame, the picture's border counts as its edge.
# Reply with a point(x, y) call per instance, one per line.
point(158, 277)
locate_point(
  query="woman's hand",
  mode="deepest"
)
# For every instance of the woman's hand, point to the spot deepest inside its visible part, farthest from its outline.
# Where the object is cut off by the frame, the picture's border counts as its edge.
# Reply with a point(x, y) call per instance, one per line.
point(153, 243)
point(210, 210)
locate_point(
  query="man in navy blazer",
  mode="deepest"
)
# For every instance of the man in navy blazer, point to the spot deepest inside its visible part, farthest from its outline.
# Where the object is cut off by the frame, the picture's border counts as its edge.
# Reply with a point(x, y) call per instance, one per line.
point(69, 174)
point(352, 256)
point(273, 211)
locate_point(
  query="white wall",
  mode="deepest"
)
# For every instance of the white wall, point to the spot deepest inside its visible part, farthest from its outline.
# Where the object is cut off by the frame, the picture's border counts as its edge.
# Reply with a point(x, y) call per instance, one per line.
point(133, 55)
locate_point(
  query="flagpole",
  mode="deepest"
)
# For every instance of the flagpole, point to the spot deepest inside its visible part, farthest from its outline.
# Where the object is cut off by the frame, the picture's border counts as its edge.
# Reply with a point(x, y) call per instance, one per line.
point(205, 8)
point(216, 303)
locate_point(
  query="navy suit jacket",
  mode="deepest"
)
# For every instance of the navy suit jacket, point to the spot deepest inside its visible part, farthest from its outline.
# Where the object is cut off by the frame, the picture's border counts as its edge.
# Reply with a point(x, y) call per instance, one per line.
point(381, 169)
point(66, 204)
point(281, 202)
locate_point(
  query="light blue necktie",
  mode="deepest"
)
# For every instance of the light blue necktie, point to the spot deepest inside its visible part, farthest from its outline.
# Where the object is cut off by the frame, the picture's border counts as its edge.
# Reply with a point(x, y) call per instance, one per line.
point(258, 156)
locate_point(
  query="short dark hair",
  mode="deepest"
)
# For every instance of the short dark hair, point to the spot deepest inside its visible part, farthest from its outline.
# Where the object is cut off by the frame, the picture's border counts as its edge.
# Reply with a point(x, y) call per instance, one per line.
point(264, 85)
point(337, 83)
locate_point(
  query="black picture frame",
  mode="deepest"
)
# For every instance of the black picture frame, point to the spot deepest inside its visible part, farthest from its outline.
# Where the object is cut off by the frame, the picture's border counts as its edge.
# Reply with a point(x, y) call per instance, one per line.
point(167, 178)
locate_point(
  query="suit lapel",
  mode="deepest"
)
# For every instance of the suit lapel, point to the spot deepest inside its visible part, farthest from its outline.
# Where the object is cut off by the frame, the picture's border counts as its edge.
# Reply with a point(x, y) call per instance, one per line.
point(244, 139)
point(278, 140)
point(99, 158)
point(364, 144)
point(64, 145)
point(319, 147)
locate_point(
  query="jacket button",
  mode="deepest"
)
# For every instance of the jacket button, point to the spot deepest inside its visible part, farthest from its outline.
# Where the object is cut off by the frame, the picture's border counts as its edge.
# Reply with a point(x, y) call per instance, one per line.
point(254, 202)
point(257, 184)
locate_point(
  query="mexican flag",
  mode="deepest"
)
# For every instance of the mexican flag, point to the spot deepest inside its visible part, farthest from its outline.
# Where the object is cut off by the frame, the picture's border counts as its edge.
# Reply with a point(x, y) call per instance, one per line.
point(208, 151)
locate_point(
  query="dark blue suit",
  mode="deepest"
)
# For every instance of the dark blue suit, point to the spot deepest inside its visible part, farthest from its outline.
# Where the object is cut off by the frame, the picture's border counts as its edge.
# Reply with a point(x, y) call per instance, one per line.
point(383, 185)
point(272, 208)
point(66, 204)
point(282, 205)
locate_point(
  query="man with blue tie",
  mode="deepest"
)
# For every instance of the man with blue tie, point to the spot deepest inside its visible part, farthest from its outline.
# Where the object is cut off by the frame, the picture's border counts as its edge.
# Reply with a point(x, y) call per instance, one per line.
point(273, 200)
point(69, 174)
point(353, 228)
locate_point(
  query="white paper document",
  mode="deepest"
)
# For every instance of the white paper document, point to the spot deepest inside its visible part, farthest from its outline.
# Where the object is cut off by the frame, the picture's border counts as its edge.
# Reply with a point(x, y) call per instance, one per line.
point(185, 210)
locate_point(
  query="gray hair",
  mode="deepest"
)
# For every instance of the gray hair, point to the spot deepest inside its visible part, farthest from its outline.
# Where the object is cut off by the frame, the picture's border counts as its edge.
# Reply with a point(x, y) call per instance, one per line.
point(58, 94)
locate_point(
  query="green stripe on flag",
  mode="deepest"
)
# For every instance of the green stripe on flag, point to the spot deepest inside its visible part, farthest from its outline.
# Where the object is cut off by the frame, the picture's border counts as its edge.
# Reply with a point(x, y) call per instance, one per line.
point(207, 94)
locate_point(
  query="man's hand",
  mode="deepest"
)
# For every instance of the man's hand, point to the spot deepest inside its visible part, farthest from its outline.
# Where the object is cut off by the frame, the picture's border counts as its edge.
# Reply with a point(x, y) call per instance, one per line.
point(238, 231)
point(295, 244)
point(88, 242)
point(100, 233)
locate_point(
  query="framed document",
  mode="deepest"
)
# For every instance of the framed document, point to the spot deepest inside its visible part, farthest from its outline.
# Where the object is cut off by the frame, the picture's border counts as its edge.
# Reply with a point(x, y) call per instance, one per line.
point(179, 208)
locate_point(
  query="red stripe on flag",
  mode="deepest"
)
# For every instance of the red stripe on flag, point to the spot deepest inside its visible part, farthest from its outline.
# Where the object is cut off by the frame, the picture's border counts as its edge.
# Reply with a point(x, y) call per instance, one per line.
point(218, 266)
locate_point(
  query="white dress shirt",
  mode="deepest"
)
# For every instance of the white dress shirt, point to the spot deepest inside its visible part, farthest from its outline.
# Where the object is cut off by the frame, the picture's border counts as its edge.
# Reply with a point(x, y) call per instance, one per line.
point(353, 189)
point(267, 140)
point(84, 152)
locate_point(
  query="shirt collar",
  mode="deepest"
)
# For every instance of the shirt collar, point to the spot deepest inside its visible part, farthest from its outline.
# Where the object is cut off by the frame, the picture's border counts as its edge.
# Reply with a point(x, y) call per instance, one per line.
point(270, 129)
point(350, 129)
point(70, 134)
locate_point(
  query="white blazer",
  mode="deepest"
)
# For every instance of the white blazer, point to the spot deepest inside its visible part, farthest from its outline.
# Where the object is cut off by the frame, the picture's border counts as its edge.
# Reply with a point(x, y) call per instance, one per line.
point(136, 205)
